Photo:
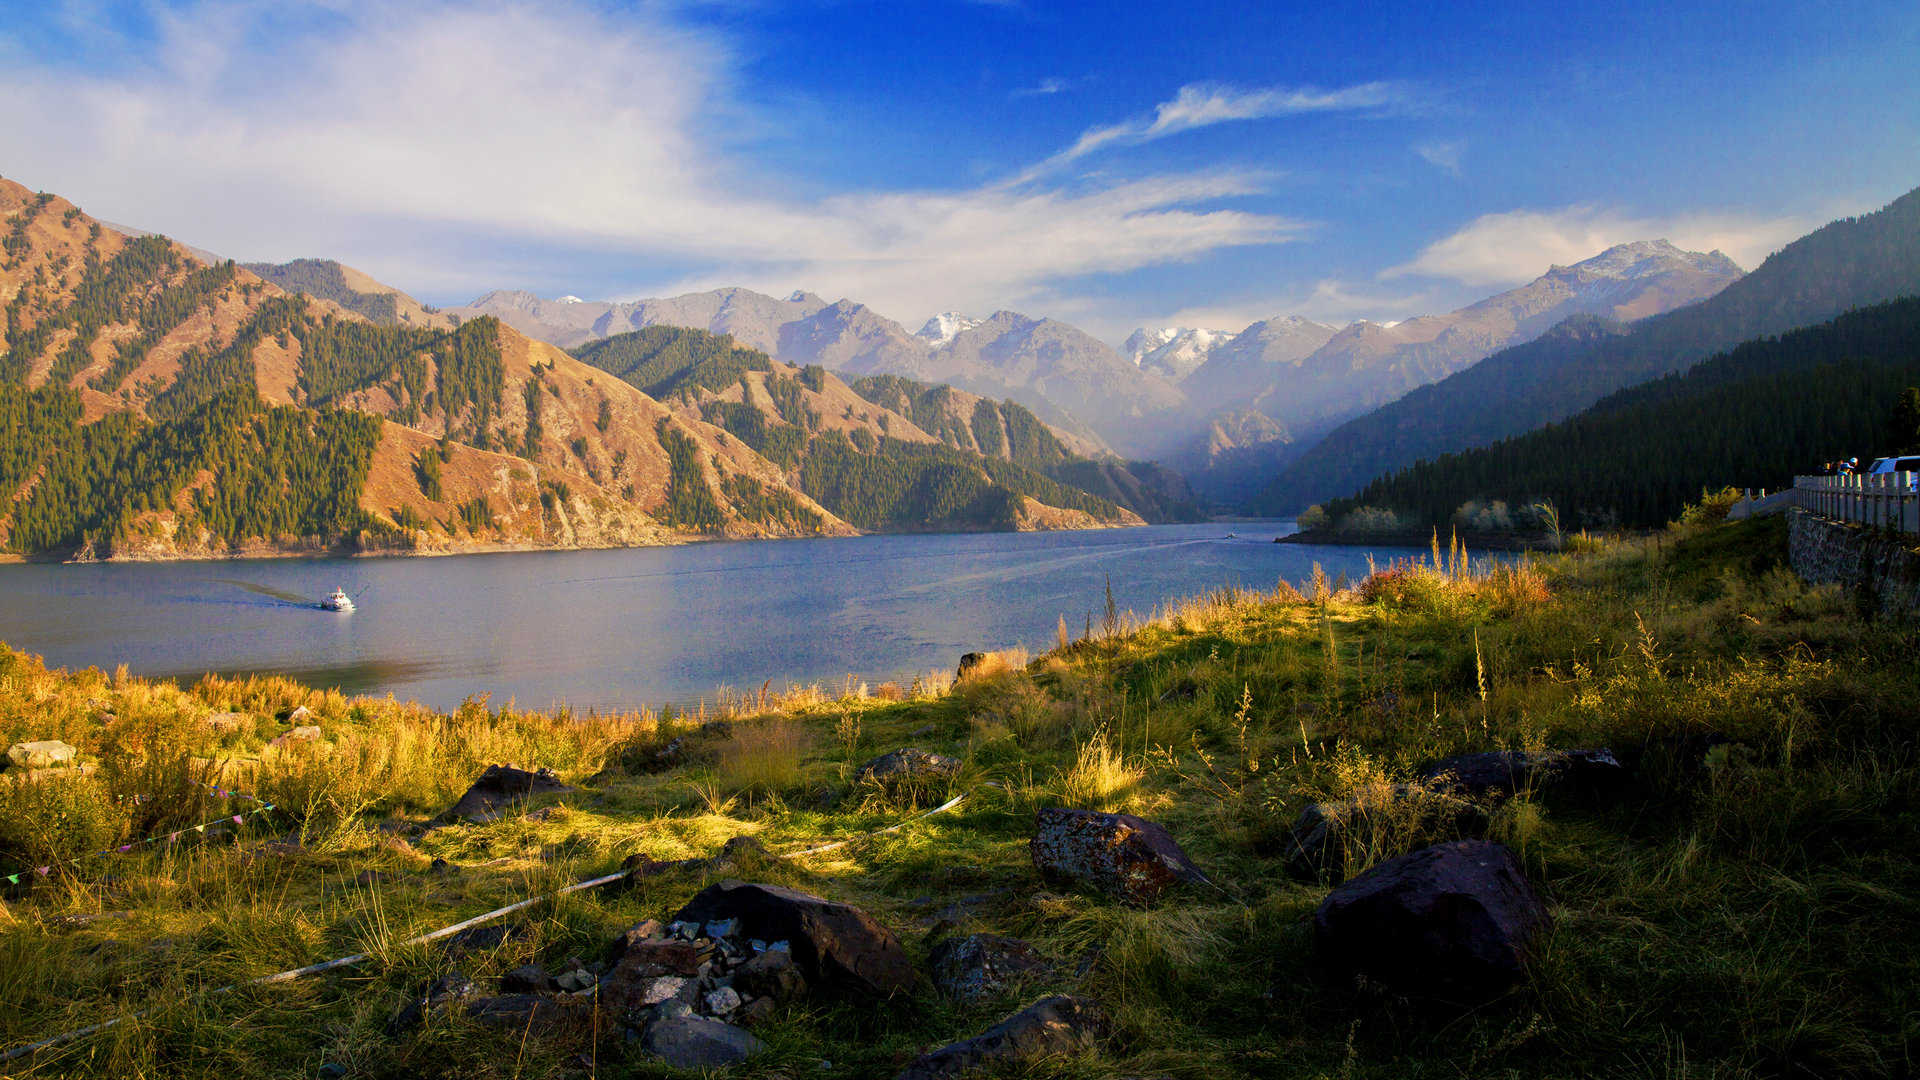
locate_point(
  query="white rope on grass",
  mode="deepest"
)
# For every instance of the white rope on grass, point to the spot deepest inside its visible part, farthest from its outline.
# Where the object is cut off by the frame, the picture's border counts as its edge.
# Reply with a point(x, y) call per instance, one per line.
point(445, 931)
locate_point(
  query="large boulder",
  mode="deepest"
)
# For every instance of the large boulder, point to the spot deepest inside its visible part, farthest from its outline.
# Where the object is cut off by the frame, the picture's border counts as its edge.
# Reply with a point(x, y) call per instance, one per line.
point(695, 1042)
point(1451, 922)
point(1061, 1024)
point(980, 966)
point(837, 946)
point(1119, 854)
point(908, 764)
point(502, 786)
point(1499, 773)
point(41, 754)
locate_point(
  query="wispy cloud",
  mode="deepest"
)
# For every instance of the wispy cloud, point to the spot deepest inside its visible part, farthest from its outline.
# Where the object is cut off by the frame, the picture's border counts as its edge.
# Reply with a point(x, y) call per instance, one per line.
point(1519, 245)
point(1201, 105)
point(1442, 154)
point(382, 136)
point(1056, 84)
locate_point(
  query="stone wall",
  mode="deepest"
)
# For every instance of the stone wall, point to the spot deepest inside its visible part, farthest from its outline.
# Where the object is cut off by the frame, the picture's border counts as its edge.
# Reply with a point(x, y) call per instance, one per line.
point(1884, 569)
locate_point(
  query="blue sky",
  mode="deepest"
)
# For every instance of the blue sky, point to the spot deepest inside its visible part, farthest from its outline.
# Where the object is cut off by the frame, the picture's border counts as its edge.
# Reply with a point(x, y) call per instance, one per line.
point(1110, 164)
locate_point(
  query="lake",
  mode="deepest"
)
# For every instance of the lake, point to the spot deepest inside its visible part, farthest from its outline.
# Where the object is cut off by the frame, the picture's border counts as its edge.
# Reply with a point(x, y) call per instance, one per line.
point(619, 629)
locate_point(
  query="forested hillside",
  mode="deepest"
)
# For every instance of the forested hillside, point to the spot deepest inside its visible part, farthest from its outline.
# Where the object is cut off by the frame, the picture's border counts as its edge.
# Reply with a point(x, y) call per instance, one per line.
point(1843, 265)
point(883, 453)
point(1751, 417)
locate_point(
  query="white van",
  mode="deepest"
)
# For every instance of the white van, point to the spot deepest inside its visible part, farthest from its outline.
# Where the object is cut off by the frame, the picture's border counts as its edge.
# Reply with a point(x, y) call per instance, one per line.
point(1906, 463)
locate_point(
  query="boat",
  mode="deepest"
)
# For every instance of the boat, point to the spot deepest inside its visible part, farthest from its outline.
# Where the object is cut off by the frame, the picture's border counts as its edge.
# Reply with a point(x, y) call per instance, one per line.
point(339, 601)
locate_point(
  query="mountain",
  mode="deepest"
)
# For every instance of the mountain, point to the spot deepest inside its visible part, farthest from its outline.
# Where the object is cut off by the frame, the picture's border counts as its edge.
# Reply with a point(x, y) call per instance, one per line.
point(753, 319)
point(944, 327)
point(1173, 352)
point(868, 462)
point(157, 406)
point(1310, 383)
point(1071, 380)
point(325, 279)
point(1846, 264)
point(1751, 417)
point(1062, 373)
point(1009, 430)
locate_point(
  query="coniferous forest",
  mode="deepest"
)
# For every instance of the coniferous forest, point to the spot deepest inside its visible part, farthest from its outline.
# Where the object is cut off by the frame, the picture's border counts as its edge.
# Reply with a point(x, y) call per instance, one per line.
point(1758, 414)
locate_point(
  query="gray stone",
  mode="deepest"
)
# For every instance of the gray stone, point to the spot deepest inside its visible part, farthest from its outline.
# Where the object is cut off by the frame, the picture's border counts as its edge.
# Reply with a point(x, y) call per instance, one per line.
point(500, 787)
point(1056, 1025)
point(772, 975)
point(723, 928)
point(908, 765)
point(969, 663)
point(694, 1042)
point(979, 966)
point(837, 946)
point(41, 754)
point(1452, 922)
point(722, 1001)
point(300, 715)
point(305, 733)
point(574, 981)
point(1118, 854)
point(529, 979)
point(671, 1008)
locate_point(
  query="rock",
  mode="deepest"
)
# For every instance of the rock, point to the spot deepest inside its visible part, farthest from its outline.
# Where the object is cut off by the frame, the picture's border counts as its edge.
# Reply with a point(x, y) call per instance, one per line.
point(1060, 1024)
point(1453, 921)
point(300, 715)
point(528, 979)
point(302, 734)
point(739, 853)
point(1316, 846)
point(969, 663)
point(757, 1011)
point(660, 956)
point(979, 966)
point(771, 976)
point(436, 996)
point(722, 1001)
point(1119, 854)
point(1503, 772)
point(502, 786)
point(224, 723)
point(572, 982)
point(722, 928)
point(41, 754)
point(694, 1042)
point(837, 946)
point(671, 1008)
point(537, 1013)
point(907, 767)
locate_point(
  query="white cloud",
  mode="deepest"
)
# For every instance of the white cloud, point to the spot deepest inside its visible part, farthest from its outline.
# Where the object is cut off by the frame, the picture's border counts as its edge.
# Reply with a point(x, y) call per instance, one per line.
point(1199, 105)
point(1055, 84)
point(1442, 154)
point(389, 136)
point(1519, 245)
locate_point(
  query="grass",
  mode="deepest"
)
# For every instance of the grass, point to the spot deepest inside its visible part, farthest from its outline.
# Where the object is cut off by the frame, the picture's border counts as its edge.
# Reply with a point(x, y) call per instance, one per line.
point(1744, 910)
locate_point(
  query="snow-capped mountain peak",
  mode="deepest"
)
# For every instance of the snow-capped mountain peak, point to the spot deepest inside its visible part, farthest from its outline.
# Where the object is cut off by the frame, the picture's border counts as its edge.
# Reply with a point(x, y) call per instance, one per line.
point(1173, 351)
point(944, 327)
point(570, 299)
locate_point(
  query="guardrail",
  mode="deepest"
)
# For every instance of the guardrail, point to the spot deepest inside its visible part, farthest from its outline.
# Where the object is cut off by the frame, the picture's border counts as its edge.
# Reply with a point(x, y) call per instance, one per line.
point(1881, 500)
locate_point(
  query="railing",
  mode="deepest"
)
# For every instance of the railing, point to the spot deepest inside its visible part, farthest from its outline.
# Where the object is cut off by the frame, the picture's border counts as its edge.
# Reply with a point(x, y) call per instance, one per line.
point(1882, 500)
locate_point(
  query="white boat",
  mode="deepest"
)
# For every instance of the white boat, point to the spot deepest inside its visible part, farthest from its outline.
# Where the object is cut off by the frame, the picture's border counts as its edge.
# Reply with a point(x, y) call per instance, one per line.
point(339, 601)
